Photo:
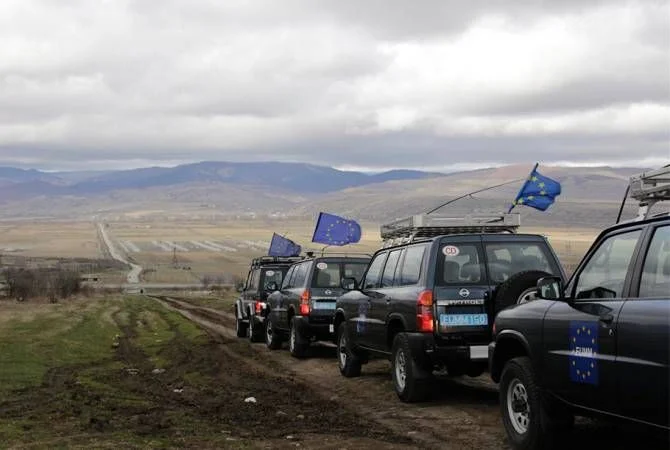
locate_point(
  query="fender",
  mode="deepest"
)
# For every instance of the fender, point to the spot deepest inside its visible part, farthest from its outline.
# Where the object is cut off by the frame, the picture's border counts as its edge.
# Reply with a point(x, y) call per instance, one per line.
point(498, 354)
point(398, 316)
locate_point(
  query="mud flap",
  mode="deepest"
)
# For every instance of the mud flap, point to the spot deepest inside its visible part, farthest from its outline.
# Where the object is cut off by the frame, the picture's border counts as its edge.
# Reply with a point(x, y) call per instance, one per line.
point(421, 346)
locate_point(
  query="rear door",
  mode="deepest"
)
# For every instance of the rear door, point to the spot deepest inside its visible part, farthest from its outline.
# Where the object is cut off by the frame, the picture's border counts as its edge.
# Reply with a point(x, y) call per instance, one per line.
point(362, 322)
point(325, 287)
point(643, 336)
point(580, 334)
point(380, 301)
point(279, 302)
point(462, 290)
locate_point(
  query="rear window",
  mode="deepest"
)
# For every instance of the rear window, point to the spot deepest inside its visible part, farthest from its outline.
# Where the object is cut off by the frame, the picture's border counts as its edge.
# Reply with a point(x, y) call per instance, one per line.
point(460, 264)
point(330, 274)
point(274, 275)
point(507, 259)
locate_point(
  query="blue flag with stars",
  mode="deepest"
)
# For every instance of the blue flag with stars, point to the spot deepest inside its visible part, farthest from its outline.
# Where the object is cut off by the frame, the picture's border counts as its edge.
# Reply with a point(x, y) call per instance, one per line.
point(281, 246)
point(537, 191)
point(583, 359)
point(335, 230)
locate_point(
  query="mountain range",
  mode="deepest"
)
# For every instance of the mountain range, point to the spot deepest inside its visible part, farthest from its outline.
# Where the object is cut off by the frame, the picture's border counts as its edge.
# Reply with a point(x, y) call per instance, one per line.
point(210, 189)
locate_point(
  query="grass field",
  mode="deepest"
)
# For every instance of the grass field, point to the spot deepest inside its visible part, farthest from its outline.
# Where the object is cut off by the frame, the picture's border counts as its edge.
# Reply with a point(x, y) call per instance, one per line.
point(203, 248)
point(82, 374)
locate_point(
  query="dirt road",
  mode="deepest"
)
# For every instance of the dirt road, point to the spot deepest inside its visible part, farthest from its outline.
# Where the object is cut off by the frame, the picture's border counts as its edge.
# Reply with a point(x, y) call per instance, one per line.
point(463, 414)
point(135, 269)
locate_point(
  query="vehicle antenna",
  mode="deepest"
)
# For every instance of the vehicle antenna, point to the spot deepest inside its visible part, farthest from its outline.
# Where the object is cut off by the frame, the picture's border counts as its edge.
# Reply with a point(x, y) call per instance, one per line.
point(469, 194)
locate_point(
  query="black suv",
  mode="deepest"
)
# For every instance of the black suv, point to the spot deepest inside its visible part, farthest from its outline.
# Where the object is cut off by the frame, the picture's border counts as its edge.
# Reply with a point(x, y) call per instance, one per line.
point(265, 273)
point(600, 345)
point(429, 304)
point(303, 308)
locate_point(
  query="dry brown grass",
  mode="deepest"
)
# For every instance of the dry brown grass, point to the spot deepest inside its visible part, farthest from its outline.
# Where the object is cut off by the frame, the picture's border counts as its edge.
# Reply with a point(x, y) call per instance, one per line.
point(79, 239)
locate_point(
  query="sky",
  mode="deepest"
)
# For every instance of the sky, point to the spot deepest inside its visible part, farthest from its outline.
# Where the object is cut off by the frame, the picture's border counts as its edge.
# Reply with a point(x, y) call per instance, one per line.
point(432, 84)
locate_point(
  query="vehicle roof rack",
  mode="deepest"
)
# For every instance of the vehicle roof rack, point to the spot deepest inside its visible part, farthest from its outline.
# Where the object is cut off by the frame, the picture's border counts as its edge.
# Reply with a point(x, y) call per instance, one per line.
point(649, 188)
point(428, 225)
point(275, 259)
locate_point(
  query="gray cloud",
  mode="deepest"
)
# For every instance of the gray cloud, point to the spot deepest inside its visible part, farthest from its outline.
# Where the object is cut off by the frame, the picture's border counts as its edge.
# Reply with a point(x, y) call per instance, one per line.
point(368, 84)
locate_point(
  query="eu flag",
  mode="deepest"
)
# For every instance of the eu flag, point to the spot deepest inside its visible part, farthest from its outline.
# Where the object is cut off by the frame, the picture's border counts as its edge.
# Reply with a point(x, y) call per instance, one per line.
point(583, 359)
point(334, 230)
point(537, 191)
point(280, 246)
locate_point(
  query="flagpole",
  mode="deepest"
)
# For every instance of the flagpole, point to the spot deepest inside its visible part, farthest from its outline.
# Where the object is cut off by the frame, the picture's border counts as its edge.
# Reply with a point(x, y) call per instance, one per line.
point(474, 192)
point(523, 187)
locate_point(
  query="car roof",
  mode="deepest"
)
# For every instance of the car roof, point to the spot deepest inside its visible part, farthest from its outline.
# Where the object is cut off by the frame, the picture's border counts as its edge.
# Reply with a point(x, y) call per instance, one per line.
point(660, 218)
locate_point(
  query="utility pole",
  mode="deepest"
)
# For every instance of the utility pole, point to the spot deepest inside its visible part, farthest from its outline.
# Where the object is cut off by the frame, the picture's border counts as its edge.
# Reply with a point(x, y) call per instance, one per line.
point(175, 261)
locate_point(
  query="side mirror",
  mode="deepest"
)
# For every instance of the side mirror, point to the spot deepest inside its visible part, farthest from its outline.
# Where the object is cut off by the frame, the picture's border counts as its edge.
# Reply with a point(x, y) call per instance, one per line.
point(349, 284)
point(550, 288)
point(271, 286)
point(240, 288)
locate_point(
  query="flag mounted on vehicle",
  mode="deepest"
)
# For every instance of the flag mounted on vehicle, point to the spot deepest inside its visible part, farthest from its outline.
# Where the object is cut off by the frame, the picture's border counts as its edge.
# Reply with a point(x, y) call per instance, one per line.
point(335, 230)
point(538, 191)
point(281, 246)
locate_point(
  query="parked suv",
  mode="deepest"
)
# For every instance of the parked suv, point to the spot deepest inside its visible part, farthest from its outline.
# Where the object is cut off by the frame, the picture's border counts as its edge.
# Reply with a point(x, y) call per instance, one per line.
point(430, 304)
point(302, 310)
point(600, 345)
point(265, 273)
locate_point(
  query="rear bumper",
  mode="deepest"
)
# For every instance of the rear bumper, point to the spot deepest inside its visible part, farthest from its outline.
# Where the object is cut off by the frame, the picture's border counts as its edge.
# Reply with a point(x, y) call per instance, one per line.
point(320, 328)
point(426, 347)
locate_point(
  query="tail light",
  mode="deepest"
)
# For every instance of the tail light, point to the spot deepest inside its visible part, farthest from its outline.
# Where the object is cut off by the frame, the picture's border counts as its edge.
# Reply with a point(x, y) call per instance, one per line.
point(305, 307)
point(259, 306)
point(424, 312)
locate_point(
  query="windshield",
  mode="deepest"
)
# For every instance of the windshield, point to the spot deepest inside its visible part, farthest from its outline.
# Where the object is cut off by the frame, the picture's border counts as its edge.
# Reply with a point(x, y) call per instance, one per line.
point(330, 274)
point(460, 264)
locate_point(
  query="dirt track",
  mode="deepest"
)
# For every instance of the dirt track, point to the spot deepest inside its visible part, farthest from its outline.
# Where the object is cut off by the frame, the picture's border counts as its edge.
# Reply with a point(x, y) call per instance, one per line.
point(463, 414)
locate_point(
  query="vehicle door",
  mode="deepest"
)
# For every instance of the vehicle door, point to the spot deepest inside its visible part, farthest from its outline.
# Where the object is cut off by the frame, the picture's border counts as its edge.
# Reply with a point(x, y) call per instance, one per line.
point(277, 300)
point(580, 333)
point(360, 302)
point(380, 301)
point(462, 292)
point(643, 335)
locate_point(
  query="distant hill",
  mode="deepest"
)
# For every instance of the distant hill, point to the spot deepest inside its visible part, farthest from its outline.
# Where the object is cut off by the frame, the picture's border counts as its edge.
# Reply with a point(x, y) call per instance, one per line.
point(210, 189)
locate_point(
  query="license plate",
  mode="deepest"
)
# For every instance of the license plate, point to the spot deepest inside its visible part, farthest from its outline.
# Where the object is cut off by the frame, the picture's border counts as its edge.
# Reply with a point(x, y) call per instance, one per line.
point(463, 320)
point(324, 305)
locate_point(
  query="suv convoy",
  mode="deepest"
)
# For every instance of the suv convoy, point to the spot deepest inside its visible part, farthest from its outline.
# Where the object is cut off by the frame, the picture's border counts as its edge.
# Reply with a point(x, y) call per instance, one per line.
point(429, 302)
point(264, 273)
point(601, 343)
point(302, 309)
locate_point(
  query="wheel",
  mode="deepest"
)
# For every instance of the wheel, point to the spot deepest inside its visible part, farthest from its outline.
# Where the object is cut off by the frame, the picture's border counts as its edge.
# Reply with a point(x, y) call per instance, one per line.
point(348, 362)
point(255, 333)
point(272, 338)
point(528, 422)
point(519, 288)
point(240, 326)
point(409, 379)
point(297, 344)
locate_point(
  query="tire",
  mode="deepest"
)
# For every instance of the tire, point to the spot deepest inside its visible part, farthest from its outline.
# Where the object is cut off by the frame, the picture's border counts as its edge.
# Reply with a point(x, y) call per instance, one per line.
point(240, 326)
point(254, 332)
point(529, 424)
point(297, 344)
point(519, 288)
point(410, 381)
point(272, 338)
point(348, 362)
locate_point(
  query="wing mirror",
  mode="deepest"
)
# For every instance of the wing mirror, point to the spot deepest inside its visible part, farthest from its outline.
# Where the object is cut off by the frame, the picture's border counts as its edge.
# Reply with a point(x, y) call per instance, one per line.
point(550, 288)
point(240, 288)
point(349, 284)
point(271, 286)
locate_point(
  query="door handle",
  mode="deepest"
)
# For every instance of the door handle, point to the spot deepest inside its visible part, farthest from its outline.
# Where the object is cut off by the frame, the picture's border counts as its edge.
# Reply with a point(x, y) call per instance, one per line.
point(607, 319)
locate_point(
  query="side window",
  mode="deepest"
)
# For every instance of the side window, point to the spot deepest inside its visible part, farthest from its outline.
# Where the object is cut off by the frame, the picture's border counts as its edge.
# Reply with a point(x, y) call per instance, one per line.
point(374, 270)
point(390, 268)
point(255, 278)
point(300, 275)
point(411, 265)
point(247, 284)
point(605, 273)
point(655, 280)
point(287, 280)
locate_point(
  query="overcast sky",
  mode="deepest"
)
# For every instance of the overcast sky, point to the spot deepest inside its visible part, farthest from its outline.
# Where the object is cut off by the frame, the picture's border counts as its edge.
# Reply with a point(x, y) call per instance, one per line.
point(372, 84)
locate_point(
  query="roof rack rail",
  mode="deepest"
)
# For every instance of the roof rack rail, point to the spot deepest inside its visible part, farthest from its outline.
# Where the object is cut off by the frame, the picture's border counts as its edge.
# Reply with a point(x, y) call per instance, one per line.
point(429, 225)
point(275, 259)
point(649, 188)
point(323, 252)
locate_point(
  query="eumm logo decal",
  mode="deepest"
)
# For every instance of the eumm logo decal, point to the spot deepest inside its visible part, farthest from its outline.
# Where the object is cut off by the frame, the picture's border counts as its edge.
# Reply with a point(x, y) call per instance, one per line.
point(583, 358)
